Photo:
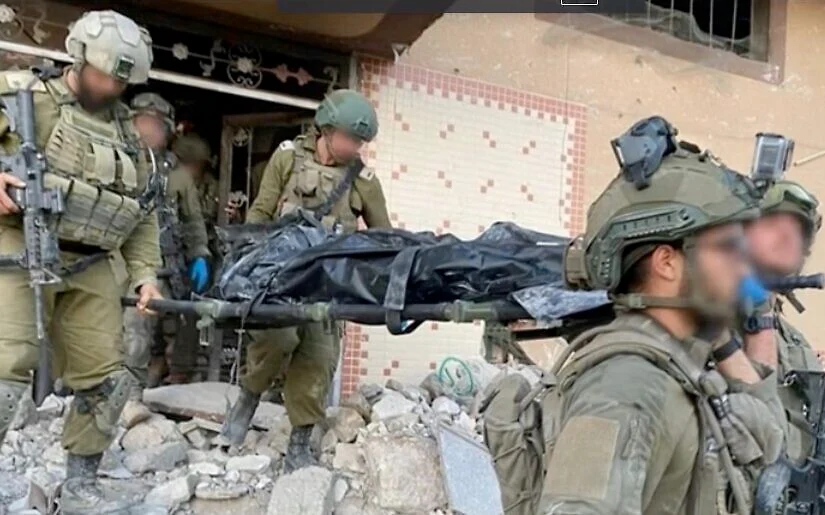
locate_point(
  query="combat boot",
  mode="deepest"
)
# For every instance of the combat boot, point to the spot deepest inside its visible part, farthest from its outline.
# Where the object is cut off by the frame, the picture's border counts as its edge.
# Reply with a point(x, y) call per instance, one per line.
point(238, 419)
point(299, 452)
point(81, 494)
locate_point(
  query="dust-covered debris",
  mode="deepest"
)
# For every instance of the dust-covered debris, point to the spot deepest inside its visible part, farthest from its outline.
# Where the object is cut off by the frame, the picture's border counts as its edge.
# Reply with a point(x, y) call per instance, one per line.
point(378, 451)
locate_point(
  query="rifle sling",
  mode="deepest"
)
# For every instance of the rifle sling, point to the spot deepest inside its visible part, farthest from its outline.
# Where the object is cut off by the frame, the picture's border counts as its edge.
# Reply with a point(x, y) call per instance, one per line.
point(342, 187)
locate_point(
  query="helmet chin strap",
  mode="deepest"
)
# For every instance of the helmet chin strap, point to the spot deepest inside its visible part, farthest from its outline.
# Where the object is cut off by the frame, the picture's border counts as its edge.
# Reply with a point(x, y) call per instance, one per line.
point(697, 300)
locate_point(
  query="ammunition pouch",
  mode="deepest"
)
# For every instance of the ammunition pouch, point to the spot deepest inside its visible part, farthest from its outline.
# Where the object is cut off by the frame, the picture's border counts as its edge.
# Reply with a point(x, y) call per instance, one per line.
point(94, 216)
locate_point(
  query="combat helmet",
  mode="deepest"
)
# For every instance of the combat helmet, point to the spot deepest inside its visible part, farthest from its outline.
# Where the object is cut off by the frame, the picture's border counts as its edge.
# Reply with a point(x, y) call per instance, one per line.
point(113, 44)
point(191, 148)
point(348, 111)
point(790, 197)
point(156, 105)
point(680, 192)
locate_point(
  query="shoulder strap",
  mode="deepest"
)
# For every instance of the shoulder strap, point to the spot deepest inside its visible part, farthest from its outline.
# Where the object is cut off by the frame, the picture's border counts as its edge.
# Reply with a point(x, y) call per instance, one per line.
point(353, 169)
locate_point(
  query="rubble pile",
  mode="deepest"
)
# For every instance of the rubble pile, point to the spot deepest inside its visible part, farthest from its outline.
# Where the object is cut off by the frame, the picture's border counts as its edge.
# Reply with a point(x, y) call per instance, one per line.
point(383, 451)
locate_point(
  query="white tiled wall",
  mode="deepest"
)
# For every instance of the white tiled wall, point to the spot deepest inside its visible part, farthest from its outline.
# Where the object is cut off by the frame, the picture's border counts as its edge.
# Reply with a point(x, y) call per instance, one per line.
point(455, 155)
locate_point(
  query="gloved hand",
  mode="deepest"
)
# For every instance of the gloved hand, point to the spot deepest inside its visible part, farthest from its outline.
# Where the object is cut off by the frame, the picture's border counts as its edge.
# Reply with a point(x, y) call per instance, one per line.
point(199, 274)
point(754, 299)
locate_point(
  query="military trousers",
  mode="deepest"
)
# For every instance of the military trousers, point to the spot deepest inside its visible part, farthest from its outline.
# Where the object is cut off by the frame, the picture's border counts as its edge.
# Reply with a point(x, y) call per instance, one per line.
point(308, 353)
point(84, 328)
point(141, 333)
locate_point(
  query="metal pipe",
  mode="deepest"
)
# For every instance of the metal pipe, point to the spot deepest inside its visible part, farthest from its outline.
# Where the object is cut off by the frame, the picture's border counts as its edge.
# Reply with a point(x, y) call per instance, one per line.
point(176, 78)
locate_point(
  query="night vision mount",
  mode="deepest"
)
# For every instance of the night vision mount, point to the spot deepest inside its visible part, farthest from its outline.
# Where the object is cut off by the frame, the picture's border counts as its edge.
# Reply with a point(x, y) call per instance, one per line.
point(640, 150)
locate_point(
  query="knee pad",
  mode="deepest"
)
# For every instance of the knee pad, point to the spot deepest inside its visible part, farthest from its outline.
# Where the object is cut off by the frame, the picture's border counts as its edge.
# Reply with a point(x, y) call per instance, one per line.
point(105, 401)
point(10, 393)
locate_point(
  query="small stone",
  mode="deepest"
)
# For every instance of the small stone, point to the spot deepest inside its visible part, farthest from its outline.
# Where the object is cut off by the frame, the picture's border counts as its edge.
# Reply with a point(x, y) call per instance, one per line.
point(391, 405)
point(198, 439)
point(56, 426)
point(340, 489)
point(232, 476)
point(173, 493)
point(349, 457)
point(263, 483)
point(162, 457)
point(216, 492)
point(359, 403)
point(55, 454)
point(466, 423)
point(251, 439)
point(186, 426)
point(346, 423)
point(134, 412)
point(403, 422)
point(151, 433)
point(329, 442)
point(52, 407)
point(205, 468)
point(307, 491)
point(395, 385)
point(433, 385)
point(254, 463)
point(26, 412)
point(446, 406)
point(196, 456)
point(371, 391)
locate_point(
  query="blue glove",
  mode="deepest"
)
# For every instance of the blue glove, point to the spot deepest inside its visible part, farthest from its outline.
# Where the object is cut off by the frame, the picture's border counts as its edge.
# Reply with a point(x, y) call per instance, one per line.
point(199, 274)
point(753, 297)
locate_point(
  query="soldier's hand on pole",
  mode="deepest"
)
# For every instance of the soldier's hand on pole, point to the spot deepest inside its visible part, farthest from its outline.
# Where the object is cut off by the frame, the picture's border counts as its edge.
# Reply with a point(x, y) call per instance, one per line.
point(7, 205)
point(147, 293)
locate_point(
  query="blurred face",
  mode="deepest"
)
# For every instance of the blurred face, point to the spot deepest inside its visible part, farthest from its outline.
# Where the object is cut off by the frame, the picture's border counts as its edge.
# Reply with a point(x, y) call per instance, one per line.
point(152, 131)
point(96, 90)
point(776, 243)
point(721, 261)
point(343, 146)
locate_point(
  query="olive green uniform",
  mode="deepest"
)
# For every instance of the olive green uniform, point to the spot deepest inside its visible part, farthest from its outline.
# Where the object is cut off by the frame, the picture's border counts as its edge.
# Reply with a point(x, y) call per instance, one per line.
point(209, 197)
point(795, 353)
point(616, 445)
point(84, 313)
point(293, 178)
point(139, 331)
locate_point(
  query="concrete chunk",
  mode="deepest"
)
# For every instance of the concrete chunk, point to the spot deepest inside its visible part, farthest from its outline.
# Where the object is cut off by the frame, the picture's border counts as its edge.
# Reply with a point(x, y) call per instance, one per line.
point(308, 491)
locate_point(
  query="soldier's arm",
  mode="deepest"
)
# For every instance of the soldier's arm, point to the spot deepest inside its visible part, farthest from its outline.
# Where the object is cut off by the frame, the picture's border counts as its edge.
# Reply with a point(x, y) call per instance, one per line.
point(374, 211)
point(193, 226)
point(142, 252)
point(623, 423)
point(265, 207)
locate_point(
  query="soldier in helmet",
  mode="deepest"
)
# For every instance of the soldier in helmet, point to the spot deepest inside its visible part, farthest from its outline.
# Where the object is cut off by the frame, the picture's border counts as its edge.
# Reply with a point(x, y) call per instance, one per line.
point(779, 243)
point(638, 423)
point(95, 158)
point(186, 241)
point(194, 156)
point(319, 171)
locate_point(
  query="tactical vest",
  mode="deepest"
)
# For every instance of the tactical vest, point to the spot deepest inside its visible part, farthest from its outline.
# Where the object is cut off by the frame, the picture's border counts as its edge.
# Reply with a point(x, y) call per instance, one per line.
point(98, 167)
point(636, 335)
point(795, 354)
point(310, 184)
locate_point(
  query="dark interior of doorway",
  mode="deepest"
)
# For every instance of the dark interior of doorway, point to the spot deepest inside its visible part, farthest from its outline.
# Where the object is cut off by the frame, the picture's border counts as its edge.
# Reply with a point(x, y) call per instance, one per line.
point(202, 111)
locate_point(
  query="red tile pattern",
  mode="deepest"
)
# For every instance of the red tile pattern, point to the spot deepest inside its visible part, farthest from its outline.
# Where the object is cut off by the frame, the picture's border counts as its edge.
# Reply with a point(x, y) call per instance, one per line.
point(453, 155)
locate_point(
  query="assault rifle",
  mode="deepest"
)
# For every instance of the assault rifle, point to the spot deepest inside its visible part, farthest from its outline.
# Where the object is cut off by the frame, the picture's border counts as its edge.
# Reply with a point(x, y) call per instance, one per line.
point(786, 286)
point(41, 256)
point(174, 262)
point(789, 489)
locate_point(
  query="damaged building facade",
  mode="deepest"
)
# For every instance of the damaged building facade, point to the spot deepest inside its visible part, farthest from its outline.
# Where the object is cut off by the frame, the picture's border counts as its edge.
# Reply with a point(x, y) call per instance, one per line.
point(483, 117)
